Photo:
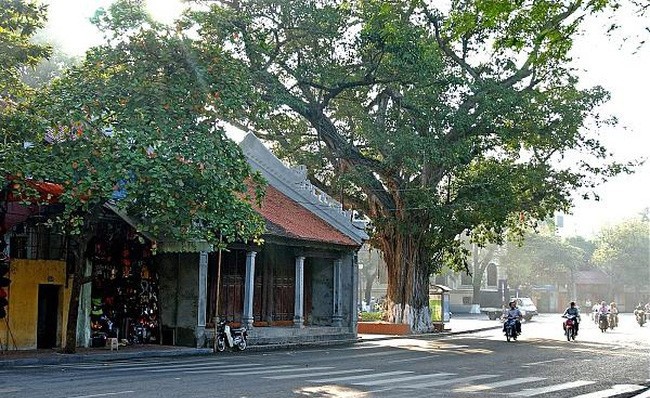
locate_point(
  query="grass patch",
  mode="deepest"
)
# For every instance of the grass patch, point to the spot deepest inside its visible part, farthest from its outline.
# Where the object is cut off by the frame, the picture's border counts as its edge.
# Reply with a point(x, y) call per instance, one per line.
point(371, 316)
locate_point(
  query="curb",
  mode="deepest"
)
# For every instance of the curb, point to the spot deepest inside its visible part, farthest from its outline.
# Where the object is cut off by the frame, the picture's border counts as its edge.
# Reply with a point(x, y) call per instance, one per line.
point(430, 335)
point(58, 359)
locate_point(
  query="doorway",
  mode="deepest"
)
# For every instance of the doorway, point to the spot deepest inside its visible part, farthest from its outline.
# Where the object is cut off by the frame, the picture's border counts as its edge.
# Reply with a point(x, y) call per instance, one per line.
point(48, 316)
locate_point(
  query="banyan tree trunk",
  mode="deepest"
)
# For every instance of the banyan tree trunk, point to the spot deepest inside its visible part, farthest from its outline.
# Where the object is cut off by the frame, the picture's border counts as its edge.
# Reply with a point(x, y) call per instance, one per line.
point(408, 284)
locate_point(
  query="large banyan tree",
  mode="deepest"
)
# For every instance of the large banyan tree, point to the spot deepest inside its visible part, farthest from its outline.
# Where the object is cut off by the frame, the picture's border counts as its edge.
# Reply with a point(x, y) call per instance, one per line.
point(432, 122)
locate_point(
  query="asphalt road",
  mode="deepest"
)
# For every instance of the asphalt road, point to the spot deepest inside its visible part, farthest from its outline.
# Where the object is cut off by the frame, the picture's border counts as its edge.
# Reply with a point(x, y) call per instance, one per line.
point(540, 364)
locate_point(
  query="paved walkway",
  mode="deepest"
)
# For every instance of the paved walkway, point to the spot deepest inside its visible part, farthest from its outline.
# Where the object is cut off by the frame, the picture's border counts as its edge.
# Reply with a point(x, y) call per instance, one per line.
point(460, 323)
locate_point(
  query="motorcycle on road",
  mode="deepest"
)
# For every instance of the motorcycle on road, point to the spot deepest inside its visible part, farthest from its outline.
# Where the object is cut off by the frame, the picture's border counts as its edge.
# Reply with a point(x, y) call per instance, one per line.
point(640, 317)
point(603, 321)
point(569, 326)
point(510, 329)
point(613, 320)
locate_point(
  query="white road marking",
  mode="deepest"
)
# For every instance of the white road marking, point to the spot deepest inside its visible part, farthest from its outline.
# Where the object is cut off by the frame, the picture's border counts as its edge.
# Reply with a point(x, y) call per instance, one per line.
point(400, 379)
point(211, 368)
point(498, 384)
point(332, 373)
point(645, 394)
point(542, 362)
point(102, 395)
point(276, 370)
point(9, 389)
point(226, 370)
point(531, 392)
point(365, 376)
point(134, 365)
point(413, 359)
point(436, 383)
point(615, 390)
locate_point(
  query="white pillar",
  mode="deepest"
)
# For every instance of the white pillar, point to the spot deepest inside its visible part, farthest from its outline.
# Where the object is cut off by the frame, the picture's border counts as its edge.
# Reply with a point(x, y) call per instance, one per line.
point(202, 299)
point(249, 290)
point(299, 311)
point(336, 294)
point(83, 319)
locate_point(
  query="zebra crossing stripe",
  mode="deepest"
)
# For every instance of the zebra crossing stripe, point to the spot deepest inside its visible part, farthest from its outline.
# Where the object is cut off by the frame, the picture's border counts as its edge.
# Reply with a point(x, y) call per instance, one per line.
point(436, 383)
point(400, 379)
point(304, 375)
point(365, 376)
point(196, 366)
point(645, 394)
point(131, 364)
point(615, 390)
point(531, 392)
point(276, 370)
point(499, 384)
point(225, 370)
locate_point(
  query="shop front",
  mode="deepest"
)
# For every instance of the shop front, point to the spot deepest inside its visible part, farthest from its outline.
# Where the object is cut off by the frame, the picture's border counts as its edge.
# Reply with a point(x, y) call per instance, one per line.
point(124, 293)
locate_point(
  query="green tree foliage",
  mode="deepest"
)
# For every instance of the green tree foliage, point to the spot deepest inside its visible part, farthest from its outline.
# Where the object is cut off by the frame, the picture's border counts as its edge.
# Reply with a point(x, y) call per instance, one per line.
point(133, 125)
point(432, 122)
point(541, 259)
point(19, 21)
point(587, 246)
point(47, 69)
point(623, 252)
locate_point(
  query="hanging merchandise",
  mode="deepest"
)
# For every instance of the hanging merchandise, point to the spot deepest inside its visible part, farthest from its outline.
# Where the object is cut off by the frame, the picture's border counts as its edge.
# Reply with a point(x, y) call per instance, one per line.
point(125, 289)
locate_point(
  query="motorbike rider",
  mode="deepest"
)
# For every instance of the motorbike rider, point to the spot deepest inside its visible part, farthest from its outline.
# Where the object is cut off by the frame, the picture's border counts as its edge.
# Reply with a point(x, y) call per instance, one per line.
point(594, 312)
point(613, 309)
point(572, 310)
point(603, 309)
point(513, 313)
point(639, 308)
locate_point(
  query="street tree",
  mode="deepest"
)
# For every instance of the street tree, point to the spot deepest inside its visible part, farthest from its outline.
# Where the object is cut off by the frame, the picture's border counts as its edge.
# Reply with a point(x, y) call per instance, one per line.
point(588, 247)
point(47, 69)
point(431, 122)
point(542, 258)
point(623, 252)
point(133, 126)
point(19, 22)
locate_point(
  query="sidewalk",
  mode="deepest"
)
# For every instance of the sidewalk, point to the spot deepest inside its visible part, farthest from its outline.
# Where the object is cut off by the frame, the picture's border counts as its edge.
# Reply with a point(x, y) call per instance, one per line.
point(459, 323)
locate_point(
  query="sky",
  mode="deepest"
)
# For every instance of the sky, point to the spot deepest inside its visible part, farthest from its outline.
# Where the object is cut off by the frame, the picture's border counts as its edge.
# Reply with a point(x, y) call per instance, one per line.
point(607, 61)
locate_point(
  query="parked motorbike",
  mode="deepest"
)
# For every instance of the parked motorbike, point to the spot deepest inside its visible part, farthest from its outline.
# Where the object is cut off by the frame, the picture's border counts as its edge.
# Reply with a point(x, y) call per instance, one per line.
point(569, 326)
point(231, 337)
point(510, 329)
point(640, 317)
point(603, 322)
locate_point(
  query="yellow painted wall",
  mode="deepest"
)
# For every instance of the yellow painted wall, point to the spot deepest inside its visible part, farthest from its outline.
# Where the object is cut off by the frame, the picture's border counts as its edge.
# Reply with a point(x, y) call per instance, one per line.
point(22, 311)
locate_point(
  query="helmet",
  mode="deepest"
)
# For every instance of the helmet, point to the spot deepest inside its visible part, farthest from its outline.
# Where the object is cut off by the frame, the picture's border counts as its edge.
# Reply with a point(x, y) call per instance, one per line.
point(573, 303)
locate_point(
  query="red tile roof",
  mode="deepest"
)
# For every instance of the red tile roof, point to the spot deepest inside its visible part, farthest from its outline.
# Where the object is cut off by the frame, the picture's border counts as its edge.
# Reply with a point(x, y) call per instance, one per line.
point(289, 219)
